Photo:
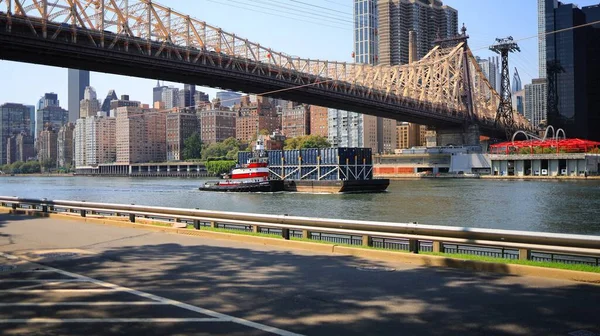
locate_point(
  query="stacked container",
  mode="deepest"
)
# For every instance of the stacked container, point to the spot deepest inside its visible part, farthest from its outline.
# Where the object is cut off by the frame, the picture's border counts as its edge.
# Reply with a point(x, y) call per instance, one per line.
point(315, 164)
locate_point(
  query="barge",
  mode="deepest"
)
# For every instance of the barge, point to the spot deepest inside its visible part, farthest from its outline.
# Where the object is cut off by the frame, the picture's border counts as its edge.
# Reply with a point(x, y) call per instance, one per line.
point(323, 170)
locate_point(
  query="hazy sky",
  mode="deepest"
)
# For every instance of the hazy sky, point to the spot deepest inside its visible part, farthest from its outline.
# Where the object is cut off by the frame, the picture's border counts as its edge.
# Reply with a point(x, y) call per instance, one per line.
point(326, 35)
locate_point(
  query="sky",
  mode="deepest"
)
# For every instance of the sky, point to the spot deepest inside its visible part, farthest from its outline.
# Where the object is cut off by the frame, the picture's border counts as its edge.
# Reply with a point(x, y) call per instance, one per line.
point(317, 29)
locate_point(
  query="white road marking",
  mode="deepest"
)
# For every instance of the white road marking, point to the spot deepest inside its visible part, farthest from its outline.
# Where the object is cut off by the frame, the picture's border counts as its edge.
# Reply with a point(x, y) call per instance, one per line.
point(82, 303)
point(216, 317)
point(40, 280)
point(58, 290)
point(180, 304)
point(111, 320)
point(8, 256)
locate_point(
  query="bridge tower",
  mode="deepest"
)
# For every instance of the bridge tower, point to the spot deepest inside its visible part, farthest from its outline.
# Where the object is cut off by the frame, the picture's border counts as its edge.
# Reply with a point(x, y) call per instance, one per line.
point(504, 115)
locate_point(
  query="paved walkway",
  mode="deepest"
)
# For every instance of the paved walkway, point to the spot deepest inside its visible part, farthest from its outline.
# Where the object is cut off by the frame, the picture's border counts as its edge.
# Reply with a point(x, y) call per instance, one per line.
point(63, 277)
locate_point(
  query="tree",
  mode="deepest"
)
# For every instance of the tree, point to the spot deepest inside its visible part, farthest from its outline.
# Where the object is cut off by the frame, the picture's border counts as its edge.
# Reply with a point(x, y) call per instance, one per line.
point(220, 167)
point(192, 147)
point(307, 141)
point(47, 164)
point(226, 149)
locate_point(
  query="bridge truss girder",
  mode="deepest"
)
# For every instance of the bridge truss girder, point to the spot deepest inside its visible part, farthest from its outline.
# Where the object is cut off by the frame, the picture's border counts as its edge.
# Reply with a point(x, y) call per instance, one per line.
point(437, 82)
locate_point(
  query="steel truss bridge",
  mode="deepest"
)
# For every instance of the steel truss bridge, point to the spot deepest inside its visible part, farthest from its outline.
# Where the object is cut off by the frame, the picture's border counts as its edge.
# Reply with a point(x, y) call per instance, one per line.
point(445, 89)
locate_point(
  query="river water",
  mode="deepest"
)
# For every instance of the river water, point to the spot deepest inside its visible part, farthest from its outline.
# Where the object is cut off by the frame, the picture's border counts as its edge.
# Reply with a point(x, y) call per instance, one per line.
point(550, 206)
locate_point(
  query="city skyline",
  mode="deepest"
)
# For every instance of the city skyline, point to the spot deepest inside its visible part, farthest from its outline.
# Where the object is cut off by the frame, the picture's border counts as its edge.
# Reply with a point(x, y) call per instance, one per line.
point(326, 43)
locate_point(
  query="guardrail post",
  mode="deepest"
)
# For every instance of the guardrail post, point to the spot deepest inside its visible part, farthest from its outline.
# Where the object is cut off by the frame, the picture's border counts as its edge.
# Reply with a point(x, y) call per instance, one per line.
point(132, 218)
point(305, 234)
point(83, 213)
point(196, 224)
point(44, 206)
point(255, 229)
point(367, 240)
point(14, 206)
point(438, 247)
point(285, 233)
point(413, 245)
point(524, 254)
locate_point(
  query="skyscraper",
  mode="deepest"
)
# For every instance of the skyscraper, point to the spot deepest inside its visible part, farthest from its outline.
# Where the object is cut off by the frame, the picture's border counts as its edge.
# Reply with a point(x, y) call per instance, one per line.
point(65, 145)
point(78, 81)
point(517, 85)
point(535, 101)
point(429, 19)
point(365, 32)
point(229, 98)
point(573, 69)
point(542, 33)
point(89, 105)
point(170, 96)
point(50, 116)
point(112, 95)
point(157, 92)
point(366, 50)
point(14, 119)
point(491, 70)
point(48, 99)
point(187, 95)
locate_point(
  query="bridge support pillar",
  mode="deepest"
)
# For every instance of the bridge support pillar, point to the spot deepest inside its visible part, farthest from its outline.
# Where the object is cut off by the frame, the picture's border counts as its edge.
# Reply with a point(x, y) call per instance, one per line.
point(458, 136)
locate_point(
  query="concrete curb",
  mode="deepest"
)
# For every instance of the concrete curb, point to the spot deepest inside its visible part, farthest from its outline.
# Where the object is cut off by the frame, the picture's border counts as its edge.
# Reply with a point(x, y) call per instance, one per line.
point(408, 258)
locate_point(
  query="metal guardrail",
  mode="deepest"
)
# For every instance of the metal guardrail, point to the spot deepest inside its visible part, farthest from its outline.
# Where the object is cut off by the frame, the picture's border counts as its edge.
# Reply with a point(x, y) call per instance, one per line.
point(508, 244)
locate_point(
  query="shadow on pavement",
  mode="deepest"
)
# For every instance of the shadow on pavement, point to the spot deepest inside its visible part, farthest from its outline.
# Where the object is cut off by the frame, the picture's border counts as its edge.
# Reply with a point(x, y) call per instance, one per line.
point(343, 295)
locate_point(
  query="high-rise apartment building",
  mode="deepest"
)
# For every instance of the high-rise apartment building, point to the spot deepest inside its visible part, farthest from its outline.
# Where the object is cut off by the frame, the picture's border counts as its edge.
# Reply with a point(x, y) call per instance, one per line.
point(295, 120)
point(170, 96)
point(429, 19)
point(80, 145)
point(319, 121)
point(89, 105)
point(217, 123)
point(20, 147)
point(229, 98)
point(573, 68)
point(122, 102)
point(78, 81)
point(179, 127)
point(47, 100)
point(350, 129)
point(141, 135)
point(535, 101)
point(253, 117)
point(52, 116)
point(366, 50)
point(64, 143)
point(491, 69)
point(46, 145)
point(100, 139)
point(14, 119)
point(365, 32)
point(409, 135)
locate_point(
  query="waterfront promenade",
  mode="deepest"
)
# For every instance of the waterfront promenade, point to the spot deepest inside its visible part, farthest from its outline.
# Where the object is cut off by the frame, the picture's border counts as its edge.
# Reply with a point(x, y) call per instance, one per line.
point(294, 291)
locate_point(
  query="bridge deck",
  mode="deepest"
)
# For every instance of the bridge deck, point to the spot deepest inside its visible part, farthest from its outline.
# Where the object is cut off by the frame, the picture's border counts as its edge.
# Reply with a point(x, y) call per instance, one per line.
point(294, 291)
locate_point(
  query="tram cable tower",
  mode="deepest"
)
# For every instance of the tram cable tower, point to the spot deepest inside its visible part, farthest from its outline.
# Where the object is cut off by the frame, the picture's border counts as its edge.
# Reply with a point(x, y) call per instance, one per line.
point(504, 115)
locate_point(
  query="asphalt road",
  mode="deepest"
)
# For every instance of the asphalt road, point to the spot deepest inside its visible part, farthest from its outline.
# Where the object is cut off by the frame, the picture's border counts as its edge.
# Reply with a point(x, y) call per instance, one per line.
point(88, 279)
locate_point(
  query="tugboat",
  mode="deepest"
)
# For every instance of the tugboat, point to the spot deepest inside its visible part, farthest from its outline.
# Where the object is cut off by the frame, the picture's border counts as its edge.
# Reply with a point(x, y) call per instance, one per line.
point(251, 177)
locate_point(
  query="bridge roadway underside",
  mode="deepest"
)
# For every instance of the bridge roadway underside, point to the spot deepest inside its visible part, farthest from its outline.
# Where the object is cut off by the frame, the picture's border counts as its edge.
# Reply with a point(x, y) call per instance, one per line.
point(23, 46)
point(297, 291)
